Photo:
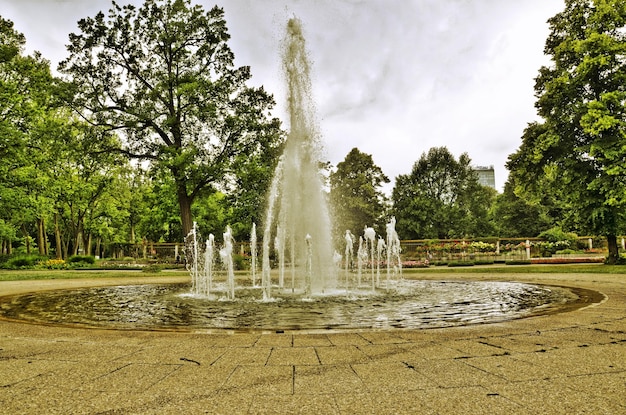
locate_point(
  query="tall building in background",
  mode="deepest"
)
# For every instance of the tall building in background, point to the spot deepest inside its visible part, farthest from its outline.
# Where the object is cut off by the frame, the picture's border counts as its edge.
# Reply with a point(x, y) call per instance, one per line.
point(486, 176)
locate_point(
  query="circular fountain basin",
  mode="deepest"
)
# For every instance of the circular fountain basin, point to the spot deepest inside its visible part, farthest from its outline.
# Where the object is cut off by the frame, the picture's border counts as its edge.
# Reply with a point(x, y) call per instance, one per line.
point(407, 304)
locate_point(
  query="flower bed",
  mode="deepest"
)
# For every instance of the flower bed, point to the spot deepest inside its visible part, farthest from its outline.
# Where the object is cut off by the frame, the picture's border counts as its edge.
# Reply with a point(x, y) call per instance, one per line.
point(415, 264)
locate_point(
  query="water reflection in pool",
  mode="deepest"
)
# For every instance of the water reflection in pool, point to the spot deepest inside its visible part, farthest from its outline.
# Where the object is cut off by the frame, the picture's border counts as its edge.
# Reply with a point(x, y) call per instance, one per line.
point(408, 304)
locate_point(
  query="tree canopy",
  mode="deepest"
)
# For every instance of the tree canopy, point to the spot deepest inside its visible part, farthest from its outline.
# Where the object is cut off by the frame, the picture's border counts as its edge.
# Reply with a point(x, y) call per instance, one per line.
point(578, 151)
point(441, 198)
point(25, 114)
point(162, 77)
point(355, 194)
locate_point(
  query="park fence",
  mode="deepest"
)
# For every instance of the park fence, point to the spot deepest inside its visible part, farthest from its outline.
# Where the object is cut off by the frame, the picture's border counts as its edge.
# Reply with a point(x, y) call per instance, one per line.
point(420, 250)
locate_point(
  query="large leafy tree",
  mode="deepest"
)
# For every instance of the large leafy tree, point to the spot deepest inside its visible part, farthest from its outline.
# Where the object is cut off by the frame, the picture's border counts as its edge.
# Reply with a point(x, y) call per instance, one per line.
point(517, 217)
point(441, 198)
point(25, 108)
point(578, 151)
point(163, 76)
point(356, 195)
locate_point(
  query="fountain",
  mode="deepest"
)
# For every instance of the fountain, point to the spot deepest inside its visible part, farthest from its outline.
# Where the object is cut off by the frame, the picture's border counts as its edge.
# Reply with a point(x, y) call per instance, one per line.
point(307, 293)
point(297, 223)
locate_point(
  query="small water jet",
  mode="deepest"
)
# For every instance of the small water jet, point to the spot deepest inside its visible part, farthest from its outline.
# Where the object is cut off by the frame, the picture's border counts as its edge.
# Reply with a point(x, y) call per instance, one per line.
point(297, 224)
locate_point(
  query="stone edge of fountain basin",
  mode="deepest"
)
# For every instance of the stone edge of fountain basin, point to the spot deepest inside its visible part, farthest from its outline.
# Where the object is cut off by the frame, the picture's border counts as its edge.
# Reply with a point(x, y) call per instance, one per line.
point(586, 298)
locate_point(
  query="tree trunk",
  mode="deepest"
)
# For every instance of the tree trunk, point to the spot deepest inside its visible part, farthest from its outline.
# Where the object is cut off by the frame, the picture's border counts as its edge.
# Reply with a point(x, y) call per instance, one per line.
point(26, 238)
point(40, 243)
point(613, 257)
point(58, 247)
point(184, 202)
point(87, 243)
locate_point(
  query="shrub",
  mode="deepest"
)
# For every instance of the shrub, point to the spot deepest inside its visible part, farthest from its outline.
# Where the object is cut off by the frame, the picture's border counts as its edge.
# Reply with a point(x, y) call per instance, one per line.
point(460, 264)
point(588, 260)
point(240, 262)
point(154, 268)
point(23, 261)
point(568, 252)
point(557, 234)
point(556, 239)
point(81, 259)
point(518, 262)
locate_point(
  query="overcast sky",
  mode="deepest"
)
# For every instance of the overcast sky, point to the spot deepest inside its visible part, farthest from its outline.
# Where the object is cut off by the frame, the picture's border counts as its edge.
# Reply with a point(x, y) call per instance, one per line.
point(390, 77)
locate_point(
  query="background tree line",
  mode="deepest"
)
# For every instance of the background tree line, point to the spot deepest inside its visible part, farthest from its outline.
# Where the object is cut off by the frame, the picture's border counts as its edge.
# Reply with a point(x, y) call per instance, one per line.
point(151, 127)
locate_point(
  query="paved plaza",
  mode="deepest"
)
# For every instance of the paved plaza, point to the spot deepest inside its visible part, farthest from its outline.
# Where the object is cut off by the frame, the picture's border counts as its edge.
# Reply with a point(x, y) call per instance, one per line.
point(567, 363)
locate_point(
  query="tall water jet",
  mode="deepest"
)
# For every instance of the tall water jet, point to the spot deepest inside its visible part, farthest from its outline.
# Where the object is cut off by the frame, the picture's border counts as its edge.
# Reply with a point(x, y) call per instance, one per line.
point(253, 255)
point(192, 259)
point(394, 262)
point(297, 204)
point(226, 253)
point(209, 261)
point(349, 252)
point(370, 244)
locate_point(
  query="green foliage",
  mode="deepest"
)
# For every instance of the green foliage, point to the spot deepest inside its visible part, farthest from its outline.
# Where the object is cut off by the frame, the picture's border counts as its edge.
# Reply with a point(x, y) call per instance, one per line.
point(23, 261)
point(164, 74)
point(518, 217)
point(568, 252)
point(577, 153)
point(355, 194)
point(152, 269)
point(81, 259)
point(461, 264)
point(26, 102)
point(518, 262)
point(441, 198)
point(556, 234)
point(240, 262)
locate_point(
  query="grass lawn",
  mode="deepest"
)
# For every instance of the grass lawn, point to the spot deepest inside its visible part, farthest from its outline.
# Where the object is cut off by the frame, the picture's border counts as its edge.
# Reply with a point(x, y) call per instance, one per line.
point(525, 269)
point(43, 274)
point(46, 274)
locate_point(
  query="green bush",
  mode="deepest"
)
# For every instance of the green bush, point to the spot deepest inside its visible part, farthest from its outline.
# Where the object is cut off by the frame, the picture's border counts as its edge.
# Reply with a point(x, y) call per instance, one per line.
point(240, 262)
point(23, 261)
point(556, 234)
point(81, 259)
point(518, 262)
point(154, 268)
point(568, 252)
point(461, 264)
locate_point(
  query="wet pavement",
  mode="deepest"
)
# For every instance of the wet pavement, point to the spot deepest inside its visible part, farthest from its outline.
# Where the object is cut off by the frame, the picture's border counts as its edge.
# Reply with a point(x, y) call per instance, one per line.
point(566, 363)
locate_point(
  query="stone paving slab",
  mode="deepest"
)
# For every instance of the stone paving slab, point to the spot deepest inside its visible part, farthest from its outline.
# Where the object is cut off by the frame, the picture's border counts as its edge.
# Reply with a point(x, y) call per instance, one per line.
point(567, 363)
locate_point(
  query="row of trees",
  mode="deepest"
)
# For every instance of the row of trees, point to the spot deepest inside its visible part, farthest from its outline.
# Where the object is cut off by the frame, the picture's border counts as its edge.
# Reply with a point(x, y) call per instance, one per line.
point(441, 198)
point(152, 126)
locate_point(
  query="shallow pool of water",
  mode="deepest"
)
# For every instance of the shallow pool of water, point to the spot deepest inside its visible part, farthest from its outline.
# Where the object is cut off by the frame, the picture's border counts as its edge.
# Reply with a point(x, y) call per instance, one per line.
point(407, 304)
